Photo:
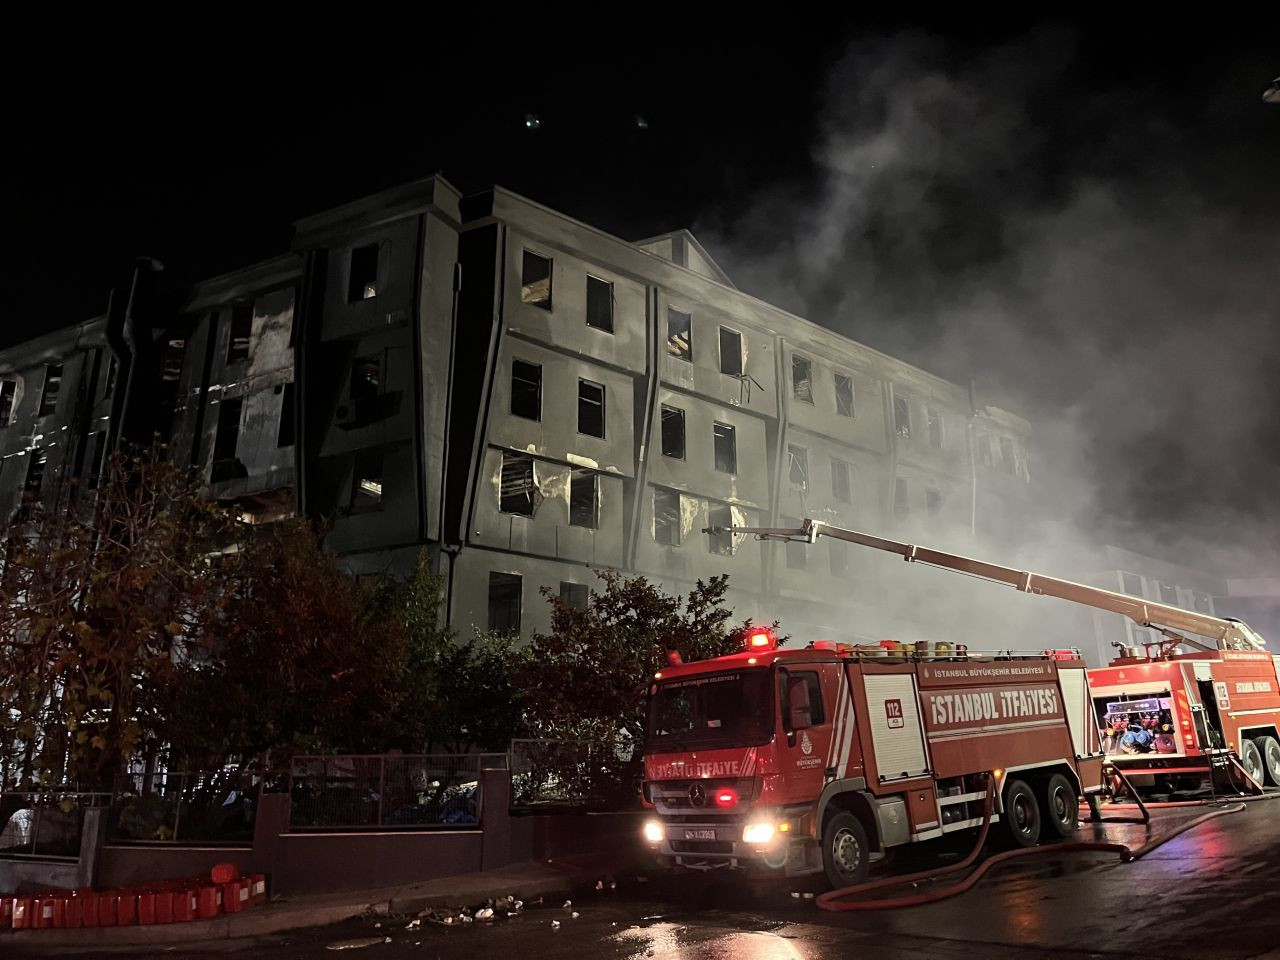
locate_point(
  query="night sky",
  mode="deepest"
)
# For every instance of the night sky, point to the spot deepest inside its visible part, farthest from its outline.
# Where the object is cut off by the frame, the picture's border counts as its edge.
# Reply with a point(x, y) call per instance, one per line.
point(200, 147)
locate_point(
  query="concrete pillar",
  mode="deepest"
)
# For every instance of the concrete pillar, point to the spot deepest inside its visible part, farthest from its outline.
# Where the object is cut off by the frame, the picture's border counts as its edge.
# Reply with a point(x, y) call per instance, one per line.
point(92, 835)
point(270, 823)
point(495, 818)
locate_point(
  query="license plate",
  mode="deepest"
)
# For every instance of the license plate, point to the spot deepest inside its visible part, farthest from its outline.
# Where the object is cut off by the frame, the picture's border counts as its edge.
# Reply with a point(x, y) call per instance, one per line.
point(699, 834)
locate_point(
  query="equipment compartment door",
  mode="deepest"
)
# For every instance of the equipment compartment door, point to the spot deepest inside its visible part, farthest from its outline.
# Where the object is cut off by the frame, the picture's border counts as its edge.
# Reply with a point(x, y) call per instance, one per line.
point(896, 730)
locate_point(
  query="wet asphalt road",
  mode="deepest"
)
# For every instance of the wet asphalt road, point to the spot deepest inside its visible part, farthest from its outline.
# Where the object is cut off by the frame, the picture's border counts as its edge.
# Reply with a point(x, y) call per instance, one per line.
point(1211, 894)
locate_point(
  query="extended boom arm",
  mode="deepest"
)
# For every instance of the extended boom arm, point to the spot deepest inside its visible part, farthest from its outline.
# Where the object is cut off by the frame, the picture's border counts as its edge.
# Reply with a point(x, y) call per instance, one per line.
point(1229, 634)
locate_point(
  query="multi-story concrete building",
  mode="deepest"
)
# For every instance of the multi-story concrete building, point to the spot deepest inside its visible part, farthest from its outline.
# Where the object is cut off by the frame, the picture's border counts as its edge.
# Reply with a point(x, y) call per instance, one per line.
point(532, 399)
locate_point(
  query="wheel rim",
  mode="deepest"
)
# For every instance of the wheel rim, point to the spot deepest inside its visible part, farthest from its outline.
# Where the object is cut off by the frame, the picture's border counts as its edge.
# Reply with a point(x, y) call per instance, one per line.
point(1272, 759)
point(1022, 814)
point(846, 851)
point(1252, 762)
point(1060, 808)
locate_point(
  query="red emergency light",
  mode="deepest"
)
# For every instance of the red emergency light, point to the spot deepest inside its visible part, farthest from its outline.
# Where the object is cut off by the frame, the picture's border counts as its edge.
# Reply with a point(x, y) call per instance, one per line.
point(726, 797)
point(761, 640)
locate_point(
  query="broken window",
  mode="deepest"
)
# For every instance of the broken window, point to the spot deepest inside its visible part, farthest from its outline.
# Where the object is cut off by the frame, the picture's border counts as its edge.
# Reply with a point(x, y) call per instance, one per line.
point(933, 501)
point(797, 554)
point(97, 450)
point(52, 385)
point(241, 332)
point(366, 480)
point(984, 451)
point(672, 432)
point(840, 486)
point(798, 470)
point(720, 542)
point(730, 352)
point(726, 448)
point(801, 378)
point(526, 390)
point(519, 493)
point(901, 506)
point(838, 556)
point(366, 378)
point(901, 417)
point(535, 280)
point(600, 304)
point(935, 427)
point(1007, 463)
point(35, 473)
point(1131, 584)
point(844, 395)
point(666, 517)
point(575, 596)
point(504, 602)
point(1168, 593)
point(284, 434)
point(679, 334)
point(8, 388)
point(583, 499)
point(363, 281)
point(228, 436)
point(591, 409)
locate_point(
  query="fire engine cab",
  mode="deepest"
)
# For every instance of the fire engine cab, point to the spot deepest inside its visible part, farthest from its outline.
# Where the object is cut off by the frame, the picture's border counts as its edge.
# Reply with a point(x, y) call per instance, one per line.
point(819, 759)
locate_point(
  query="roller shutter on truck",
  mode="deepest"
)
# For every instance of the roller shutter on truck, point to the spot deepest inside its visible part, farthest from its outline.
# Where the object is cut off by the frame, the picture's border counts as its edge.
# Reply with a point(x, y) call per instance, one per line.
point(896, 729)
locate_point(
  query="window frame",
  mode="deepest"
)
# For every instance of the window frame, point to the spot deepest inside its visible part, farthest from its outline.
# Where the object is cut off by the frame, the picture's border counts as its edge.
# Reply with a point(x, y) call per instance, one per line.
point(608, 285)
point(674, 525)
point(742, 356)
point(511, 400)
point(687, 355)
point(575, 475)
point(799, 358)
point(584, 382)
point(728, 432)
point(853, 403)
point(526, 285)
point(662, 427)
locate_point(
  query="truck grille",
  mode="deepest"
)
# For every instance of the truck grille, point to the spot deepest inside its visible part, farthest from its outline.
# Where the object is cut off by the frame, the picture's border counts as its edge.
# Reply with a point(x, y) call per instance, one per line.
point(702, 846)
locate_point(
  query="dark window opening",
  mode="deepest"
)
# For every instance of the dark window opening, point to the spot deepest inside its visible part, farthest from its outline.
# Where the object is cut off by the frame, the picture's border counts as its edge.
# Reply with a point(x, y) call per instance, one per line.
point(838, 556)
point(8, 388)
point(526, 390)
point(591, 409)
point(52, 386)
point(1131, 584)
point(935, 428)
point(901, 507)
point(666, 517)
point(840, 486)
point(583, 499)
point(366, 480)
point(801, 378)
point(1168, 593)
point(726, 448)
point(933, 501)
point(720, 542)
point(799, 465)
point(97, 451)
point(35, 473)
point(504, 602)
point(844, 395)
point(228, 436)
point(366, 378)
point(679, 334)
point(1006, 455)
point(576, 596)
point(796, 552)
point(901, 418)
point(519, 493)
point(600, 304)
point(730, 352)
point(363, 282)
point(241, 332)
point(535, 280)
point(284, 435)
point(672, 432)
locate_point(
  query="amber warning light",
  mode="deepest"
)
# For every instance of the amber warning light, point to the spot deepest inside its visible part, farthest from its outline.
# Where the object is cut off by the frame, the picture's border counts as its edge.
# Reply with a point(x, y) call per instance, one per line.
point(760, 640)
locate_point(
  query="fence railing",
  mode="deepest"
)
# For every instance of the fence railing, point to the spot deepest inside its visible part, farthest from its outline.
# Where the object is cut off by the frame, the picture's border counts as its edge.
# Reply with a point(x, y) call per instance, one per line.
point(584, 774)
point(45, 823)
point(377, 790)
point(214, 807)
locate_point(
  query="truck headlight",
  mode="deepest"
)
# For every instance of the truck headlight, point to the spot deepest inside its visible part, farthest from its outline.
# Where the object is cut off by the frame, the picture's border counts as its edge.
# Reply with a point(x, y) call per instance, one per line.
point(653, 831)
point(757, 833)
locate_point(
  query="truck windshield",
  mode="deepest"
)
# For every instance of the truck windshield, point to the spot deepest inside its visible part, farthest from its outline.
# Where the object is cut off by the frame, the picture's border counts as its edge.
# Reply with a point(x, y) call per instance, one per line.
point(715, 710)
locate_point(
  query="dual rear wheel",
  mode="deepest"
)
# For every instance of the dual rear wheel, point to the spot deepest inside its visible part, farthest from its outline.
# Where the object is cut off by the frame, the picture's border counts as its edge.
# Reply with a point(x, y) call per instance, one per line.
point(1049, 812)
point(1260, 758)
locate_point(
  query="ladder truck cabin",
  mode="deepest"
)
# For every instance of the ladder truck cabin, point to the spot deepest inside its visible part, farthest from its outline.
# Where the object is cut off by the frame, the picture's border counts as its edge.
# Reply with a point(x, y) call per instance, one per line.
point(1168, 718)
point(817, 760)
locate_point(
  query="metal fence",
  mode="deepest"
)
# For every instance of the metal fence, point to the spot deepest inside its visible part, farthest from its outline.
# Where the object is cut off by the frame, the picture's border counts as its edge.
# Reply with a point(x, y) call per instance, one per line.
point(583, 774)
point(45, 824)
point(377, 790)
point(202, 807)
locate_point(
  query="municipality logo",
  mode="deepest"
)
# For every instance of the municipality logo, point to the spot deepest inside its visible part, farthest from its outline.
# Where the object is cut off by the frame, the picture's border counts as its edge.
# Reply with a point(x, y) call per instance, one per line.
point(806, 745)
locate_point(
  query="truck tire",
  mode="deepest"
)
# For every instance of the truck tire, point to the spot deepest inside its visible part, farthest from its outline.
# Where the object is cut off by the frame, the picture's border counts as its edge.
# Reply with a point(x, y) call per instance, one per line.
point(1021, 814)
point(1061, 807)
point(1269, 747)
point(845, 856)
point(1251, 760)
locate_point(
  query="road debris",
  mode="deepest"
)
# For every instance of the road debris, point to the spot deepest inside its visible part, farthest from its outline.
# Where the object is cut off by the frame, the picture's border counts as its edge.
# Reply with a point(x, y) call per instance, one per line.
point(357, 943)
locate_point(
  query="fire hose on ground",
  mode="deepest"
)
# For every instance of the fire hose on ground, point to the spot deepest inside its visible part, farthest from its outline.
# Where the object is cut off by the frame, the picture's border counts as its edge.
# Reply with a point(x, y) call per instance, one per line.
point(838, 900)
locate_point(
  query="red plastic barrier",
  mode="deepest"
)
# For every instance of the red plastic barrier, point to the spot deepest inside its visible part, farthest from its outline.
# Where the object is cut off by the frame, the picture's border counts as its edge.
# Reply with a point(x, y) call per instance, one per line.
point(73, 912)
point(23, 911)
point(257, 888)
point(89, 903)
point(208, 901)
point(109, 908)
point(47, 912)
point(184, 904)
point(6, 913)
point(127, 908)
point(146, 907)
point(164, 906)
point(224, 873)
point(235, 896)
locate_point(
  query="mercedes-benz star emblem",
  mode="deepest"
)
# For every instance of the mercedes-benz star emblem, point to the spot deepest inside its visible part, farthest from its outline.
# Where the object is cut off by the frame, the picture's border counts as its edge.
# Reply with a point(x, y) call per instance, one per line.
point(698, 795)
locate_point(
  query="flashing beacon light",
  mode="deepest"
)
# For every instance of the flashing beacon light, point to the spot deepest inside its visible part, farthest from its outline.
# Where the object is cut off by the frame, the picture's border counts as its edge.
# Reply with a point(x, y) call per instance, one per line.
point(761, 640)
point(726, 797)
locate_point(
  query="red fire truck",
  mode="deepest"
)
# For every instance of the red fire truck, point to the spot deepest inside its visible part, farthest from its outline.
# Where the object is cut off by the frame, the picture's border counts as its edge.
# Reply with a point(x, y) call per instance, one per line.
point(819, 759)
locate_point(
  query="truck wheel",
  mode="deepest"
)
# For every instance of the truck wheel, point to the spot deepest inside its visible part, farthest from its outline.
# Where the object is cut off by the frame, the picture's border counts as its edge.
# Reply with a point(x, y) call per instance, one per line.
point(844, 850)
point(1061, 806)
point(1251, 760)
point(1021, 814)
point(1269, 747)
